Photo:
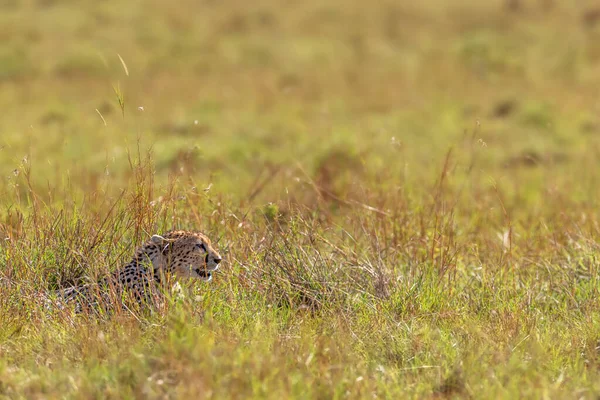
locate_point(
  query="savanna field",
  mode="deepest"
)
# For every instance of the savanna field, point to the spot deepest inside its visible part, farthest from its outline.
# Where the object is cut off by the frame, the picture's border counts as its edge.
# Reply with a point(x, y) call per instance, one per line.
point(405, 196)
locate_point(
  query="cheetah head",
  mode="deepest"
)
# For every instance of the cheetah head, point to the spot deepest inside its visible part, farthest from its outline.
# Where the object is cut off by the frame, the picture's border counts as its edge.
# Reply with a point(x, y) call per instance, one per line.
point(188, 254)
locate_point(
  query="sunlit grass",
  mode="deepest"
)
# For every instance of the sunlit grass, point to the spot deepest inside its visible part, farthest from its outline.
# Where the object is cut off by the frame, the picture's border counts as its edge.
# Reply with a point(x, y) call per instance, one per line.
point(405, 197)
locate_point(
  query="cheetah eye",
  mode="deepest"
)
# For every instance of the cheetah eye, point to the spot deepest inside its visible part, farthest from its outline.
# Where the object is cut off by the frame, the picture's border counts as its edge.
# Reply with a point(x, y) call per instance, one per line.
point(201, 246)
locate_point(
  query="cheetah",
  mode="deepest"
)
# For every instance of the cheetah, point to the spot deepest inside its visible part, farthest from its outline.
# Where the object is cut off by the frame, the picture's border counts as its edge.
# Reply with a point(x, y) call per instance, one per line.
point(173, 256)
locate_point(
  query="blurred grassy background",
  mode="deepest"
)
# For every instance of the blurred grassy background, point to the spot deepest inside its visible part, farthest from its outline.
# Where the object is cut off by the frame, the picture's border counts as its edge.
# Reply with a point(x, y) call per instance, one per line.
point(228, 87)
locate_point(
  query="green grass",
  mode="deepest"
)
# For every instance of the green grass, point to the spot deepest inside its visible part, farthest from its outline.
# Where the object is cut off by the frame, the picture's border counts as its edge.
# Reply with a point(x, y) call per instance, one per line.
point(405, 197)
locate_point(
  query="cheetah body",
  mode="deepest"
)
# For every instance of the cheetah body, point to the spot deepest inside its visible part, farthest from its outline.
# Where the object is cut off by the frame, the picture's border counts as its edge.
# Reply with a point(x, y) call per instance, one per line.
point(158, 262)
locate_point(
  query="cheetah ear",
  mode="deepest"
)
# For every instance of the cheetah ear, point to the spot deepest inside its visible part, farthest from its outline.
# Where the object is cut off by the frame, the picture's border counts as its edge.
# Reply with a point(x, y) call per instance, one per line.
point(158, 239)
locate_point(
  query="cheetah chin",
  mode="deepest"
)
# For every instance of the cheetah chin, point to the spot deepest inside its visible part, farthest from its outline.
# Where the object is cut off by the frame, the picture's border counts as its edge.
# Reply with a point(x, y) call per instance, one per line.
point(205, 274)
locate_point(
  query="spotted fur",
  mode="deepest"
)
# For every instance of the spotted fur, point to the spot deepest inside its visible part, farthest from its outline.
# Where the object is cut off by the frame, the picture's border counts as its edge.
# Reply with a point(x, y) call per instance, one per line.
point(175, 255)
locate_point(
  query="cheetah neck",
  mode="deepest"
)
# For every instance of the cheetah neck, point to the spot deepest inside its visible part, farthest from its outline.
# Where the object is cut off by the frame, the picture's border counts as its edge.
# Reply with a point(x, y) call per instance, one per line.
point(150, 257)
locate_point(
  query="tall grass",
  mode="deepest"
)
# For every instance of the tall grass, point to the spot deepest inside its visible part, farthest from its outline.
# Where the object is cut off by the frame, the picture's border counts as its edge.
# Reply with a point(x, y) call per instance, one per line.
point(405, 196)
point(336, 300)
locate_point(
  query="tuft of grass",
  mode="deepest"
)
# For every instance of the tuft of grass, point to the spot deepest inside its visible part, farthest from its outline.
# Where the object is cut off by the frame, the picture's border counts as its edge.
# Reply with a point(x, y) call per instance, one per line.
point(120, 98)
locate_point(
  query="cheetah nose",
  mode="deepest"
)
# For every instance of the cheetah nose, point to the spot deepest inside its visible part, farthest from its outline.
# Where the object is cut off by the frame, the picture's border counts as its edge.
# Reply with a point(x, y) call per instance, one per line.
point(218, 260)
